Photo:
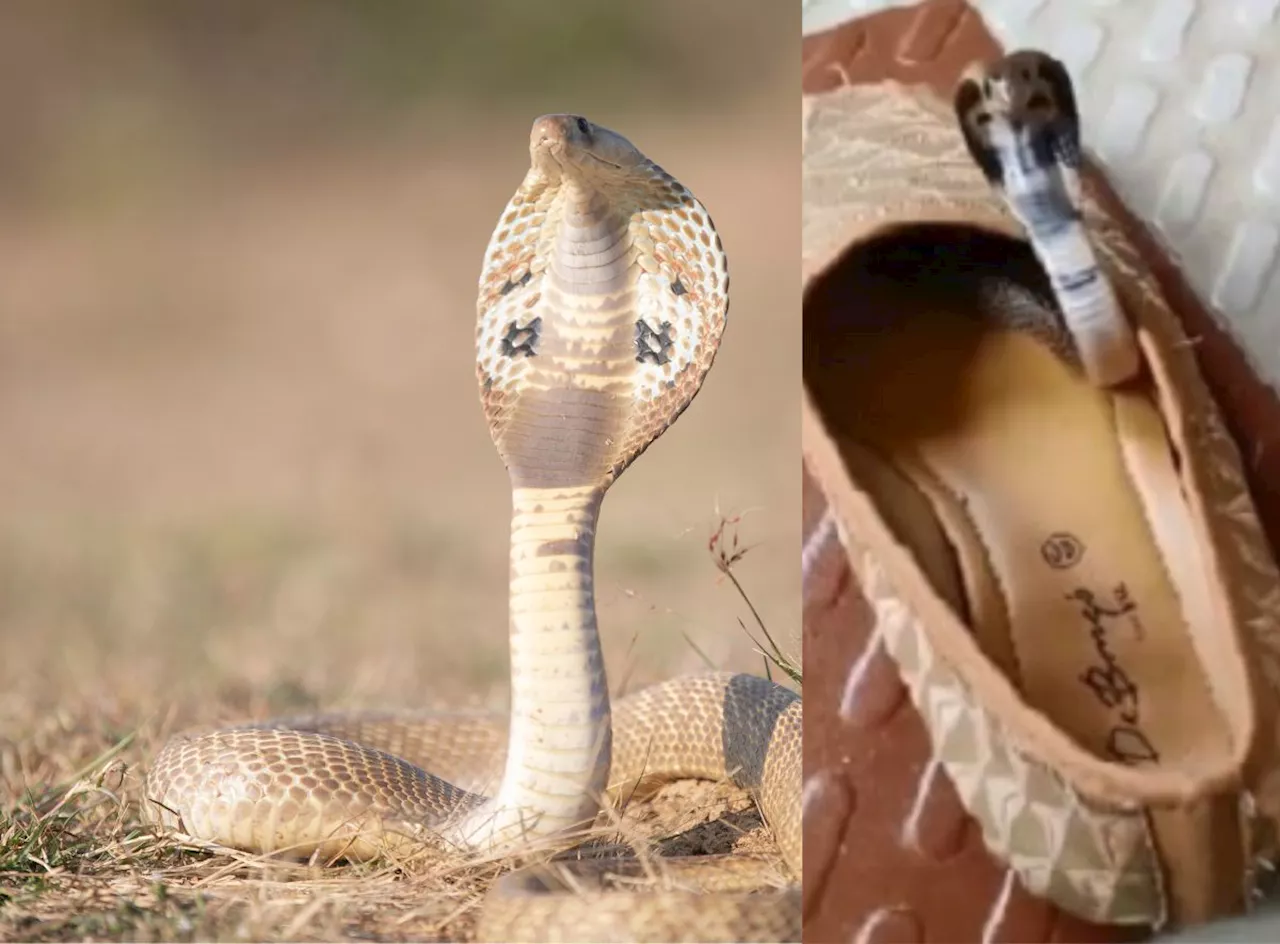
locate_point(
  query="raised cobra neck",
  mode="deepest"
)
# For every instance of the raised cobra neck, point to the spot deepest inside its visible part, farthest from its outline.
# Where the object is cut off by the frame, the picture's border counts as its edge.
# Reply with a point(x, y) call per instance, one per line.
point(1043, 200)
point(559, 750)
point(559, 445)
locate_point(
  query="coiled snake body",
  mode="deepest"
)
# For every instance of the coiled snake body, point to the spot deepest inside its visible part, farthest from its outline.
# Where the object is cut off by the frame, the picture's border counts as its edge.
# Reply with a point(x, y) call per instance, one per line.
point(602, 300)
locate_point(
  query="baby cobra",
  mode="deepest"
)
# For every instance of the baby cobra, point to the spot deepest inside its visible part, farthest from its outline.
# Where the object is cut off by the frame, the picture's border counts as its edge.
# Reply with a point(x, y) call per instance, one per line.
point(602, 299)
point(1021, 125)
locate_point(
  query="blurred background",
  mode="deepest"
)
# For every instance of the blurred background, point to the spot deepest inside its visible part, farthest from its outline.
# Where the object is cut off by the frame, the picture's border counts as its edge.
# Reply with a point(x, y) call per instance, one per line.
point(243, 466)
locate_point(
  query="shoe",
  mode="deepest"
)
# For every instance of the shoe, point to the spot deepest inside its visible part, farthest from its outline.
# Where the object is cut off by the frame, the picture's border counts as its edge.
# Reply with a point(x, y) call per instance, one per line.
point(890, 852)
point(1067, 572)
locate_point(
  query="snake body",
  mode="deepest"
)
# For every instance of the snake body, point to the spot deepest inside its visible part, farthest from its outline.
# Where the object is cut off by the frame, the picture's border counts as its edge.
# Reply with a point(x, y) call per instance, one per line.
point(602, 299)
point(1020, 122)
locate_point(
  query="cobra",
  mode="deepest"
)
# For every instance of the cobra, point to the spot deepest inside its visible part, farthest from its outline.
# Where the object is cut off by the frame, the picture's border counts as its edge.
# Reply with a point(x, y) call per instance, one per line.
point(1021, 125)
point(602, 300)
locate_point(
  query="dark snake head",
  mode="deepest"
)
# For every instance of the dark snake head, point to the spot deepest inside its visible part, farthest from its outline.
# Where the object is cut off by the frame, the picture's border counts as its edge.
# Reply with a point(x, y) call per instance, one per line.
point(1029, 93)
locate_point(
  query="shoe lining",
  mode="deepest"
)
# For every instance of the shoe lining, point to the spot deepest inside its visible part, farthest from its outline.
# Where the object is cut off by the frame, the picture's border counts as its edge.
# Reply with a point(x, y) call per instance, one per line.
point(1060, 501)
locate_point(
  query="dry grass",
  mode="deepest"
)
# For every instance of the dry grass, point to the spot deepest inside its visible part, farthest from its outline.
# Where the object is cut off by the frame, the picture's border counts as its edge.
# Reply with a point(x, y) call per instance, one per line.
point(727, 551)
point(81, 868)
point(78, 862)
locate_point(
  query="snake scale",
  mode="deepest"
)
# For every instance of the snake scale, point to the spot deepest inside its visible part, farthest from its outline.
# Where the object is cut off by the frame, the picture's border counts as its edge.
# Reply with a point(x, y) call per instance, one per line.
point(602, 300)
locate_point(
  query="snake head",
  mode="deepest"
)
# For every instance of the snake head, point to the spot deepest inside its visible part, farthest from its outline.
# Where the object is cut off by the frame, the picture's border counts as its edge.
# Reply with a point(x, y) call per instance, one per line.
point(1027, 87)
point(1027, 92)
point(570, 146)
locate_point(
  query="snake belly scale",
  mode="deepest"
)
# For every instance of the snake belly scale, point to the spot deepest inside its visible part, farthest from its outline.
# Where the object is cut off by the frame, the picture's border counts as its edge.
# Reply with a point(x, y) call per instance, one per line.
point(602, 299)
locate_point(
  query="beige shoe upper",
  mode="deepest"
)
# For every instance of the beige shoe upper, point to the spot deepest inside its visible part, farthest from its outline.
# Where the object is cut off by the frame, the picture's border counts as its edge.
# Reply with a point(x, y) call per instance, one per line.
point(1106, 841)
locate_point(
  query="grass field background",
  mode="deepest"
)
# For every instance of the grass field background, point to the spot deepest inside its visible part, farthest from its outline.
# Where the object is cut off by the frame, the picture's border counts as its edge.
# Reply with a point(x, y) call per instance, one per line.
point(243, 468)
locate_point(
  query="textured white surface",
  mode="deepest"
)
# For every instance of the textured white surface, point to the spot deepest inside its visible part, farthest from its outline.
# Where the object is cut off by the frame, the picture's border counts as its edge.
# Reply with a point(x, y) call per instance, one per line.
point(1180, 101)
point(821, 15)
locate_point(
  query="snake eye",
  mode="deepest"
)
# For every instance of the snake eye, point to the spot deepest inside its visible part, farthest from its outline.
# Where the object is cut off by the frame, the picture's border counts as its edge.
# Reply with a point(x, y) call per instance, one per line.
point(583, 126)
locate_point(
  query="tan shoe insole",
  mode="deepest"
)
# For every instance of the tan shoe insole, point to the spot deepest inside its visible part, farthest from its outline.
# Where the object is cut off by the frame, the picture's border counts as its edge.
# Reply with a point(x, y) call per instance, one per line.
point(1029, 470)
